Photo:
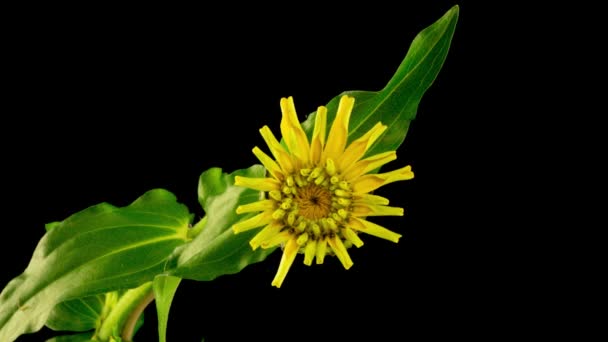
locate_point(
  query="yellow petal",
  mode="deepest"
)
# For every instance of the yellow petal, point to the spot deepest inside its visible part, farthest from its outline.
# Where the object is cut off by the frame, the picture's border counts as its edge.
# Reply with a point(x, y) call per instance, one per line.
point(289, 255)
point(336, 141)
point(261, 184)
point(256, 206)
point(269, 164)
point(318, 135)
point(309, 252)
point(341, 252)
point(357, 148)
point(367, 183)
point(253, 222)
point(351, 236)
point(373, 229)
point(362, 210)
point(368, 164)
point(277, 150)
point(370, 199)
point(265, 234)
point(292, 131)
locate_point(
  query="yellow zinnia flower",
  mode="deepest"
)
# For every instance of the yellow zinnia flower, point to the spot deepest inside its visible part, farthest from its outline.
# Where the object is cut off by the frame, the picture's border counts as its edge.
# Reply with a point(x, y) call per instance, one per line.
point(318, 192)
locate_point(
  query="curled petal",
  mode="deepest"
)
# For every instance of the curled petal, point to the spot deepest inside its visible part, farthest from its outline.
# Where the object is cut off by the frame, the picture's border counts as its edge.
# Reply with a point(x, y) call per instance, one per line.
point(253, 222)
point(277, 150)
point(256, 206)
point(269, 164)
point(373, 229)
point(265, 234)
point(289, 254)
point(367, 183)
point(292, 131)
point(338, 247)
point(368, 164)
point(336, 141)
point(318, 135)
point(357, 148)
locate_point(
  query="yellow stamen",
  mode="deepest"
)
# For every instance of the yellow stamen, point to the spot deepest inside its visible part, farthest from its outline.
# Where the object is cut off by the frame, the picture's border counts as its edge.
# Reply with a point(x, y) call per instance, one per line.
point(341, 252)
point(276, 195)
point(373, 229)
point(309, 252)
point(289, 254)
point(330, 167)
point(336, 141)
point(261, 184)
point(278, 214)
point(352, 237)
point(321, 250)
point(367, 183)
point(301, 240)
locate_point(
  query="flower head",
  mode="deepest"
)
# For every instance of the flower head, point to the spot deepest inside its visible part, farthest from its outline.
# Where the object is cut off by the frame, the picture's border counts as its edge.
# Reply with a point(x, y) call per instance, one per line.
point(318, 191)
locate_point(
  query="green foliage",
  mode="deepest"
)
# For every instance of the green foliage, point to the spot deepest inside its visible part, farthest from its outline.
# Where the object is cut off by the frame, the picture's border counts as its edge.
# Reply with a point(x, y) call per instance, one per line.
point(164, 291)
point(396, 104)
point(86, 273)
point(217, 250)
point(97, 250)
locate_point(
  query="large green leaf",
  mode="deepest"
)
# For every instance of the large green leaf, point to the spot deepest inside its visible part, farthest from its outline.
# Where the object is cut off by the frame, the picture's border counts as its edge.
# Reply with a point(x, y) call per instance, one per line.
point(396, 104)
point(217, 250)
point(97, 250)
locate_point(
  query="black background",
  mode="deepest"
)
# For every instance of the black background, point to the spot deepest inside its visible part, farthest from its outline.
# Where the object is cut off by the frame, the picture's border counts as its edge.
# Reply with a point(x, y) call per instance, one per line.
point(106, 104)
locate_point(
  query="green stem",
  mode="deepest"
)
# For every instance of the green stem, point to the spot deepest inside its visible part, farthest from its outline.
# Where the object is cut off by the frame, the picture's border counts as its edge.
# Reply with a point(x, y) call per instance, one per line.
point(125, 313)
point(194, 231)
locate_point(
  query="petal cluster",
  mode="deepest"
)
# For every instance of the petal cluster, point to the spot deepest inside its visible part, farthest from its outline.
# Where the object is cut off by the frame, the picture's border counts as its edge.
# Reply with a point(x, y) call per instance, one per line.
point(318, 190)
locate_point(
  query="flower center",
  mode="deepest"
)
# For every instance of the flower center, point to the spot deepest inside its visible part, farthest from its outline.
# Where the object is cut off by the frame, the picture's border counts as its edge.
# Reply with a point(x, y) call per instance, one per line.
point(313, 201)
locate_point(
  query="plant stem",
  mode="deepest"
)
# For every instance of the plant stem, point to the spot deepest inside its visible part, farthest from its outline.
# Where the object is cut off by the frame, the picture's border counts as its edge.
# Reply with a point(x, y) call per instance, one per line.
point(127, 330)
point(194, 231)
point(130, 304)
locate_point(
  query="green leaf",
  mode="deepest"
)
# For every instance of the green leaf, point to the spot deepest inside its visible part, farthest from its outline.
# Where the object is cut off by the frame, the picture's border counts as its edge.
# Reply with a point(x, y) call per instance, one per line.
point(164, 291)
point(217, 250)
point(82, 337)
point(80, 314)
point(97, 250)
point(396, 104)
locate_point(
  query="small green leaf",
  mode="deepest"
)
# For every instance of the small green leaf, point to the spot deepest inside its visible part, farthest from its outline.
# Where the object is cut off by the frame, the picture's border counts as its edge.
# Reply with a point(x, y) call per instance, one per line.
point(396, 104)
point(97, 250)
point(80, 314)
point(217, 250)
point(82, 337)
point(164, 291)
